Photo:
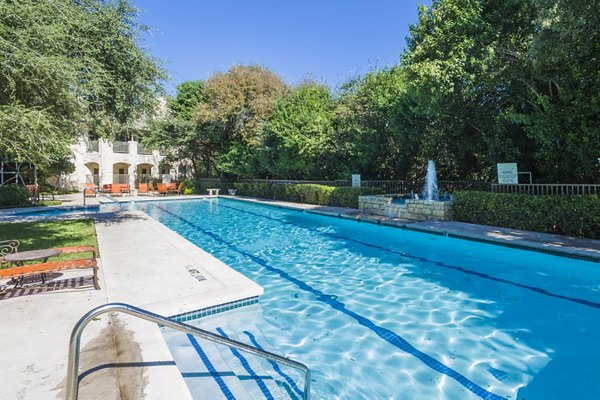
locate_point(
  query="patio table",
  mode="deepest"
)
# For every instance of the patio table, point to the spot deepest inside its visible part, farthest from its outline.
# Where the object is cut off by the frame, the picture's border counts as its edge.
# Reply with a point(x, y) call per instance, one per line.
point(32, 255)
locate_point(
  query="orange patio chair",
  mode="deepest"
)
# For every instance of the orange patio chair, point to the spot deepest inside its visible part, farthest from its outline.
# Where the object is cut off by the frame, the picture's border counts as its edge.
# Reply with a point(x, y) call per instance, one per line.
point(179, 189)
point(143, 189)
point(90, 190)
point(116, 189)
point(152, 188)
point(125, 188)
point(162, 189)
point(171, 187)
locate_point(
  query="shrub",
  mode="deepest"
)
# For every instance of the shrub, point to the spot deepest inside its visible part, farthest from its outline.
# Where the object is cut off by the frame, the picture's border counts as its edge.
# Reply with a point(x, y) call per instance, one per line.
point(565, 215)
point(306, 193)
point(348, 196)
point(13, 195)
point(200, 186)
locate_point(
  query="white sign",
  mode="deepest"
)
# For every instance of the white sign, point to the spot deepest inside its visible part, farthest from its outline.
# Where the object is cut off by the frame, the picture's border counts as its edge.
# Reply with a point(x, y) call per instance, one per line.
point(508, 174)
point(355, 180)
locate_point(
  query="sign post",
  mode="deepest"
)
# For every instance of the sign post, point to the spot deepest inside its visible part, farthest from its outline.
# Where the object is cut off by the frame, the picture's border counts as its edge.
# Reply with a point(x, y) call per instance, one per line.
point(508, 174)
point(355, 180)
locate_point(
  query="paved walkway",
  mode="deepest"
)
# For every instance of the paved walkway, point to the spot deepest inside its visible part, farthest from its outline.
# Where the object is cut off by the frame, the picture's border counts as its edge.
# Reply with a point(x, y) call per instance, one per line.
point(142, 263)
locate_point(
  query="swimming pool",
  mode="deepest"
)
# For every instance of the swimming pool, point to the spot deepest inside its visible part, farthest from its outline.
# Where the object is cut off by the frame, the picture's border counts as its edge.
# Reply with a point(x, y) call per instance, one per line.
point(43, 212)
point(384, 313)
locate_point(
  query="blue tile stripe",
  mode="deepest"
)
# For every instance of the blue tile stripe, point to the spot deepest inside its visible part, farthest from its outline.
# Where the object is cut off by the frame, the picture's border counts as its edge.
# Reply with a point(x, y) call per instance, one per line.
point(276, 367)
point(387, 335)
point(211, 369)
point(482, 275)
point(263, 388)
point(212, 310)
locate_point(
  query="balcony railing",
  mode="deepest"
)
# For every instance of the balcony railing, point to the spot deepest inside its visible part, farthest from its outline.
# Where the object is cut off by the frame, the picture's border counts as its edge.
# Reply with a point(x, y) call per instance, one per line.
point(143, 150)
point(121, 147)
point(120, 178)
point(93, 146)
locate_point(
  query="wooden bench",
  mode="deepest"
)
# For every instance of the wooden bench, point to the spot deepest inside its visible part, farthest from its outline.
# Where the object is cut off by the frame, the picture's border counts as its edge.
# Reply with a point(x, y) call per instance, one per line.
point(17, 274)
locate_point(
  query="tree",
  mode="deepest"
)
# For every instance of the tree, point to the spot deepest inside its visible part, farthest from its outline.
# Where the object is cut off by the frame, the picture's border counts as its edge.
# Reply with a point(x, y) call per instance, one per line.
point(65, 66)
point(236, 105)
point(375, 130)
point(564, 90)
point(296, 140)
point(465, 62)
point(179, 135)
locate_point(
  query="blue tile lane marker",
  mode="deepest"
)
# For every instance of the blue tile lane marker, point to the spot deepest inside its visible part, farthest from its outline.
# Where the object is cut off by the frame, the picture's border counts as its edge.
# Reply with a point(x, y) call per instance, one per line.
point(276, 367)
point(584, 302)
point(263, 388)
point(213, 372)
point(385, 334)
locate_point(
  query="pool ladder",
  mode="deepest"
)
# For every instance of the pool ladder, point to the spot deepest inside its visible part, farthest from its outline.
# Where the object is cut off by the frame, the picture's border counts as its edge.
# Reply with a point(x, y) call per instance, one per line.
point(75, 343)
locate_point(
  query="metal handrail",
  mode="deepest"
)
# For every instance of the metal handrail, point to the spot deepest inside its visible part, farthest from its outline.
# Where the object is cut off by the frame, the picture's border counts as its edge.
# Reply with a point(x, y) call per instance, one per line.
point(100, 194)
point(75, 343)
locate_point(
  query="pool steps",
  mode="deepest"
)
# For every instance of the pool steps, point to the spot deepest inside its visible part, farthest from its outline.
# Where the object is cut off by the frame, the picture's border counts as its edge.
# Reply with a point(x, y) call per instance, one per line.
point(193, 334)
point(221, 374)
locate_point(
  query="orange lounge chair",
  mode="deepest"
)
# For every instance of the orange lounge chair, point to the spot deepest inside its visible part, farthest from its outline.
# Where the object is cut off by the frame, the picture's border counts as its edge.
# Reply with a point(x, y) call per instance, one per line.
point(179, 189)
point(78, 249)
point(162, 189)
point(171, 187)
point(116, 189)
point(152, 188)
point(19, 273)
point(90, 190)
point(125, 188)
point(143, 189)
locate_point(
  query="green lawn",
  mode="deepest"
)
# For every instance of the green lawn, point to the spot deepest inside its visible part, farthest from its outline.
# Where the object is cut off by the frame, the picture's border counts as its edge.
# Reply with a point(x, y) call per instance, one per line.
point(48, 234)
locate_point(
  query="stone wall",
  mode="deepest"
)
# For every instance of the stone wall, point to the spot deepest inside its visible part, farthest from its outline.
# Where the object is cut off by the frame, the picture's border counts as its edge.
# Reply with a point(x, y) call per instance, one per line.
point(419, 210)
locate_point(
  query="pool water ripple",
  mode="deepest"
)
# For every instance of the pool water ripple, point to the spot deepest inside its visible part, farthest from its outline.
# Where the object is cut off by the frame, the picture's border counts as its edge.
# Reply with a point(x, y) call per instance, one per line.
point(462, 325)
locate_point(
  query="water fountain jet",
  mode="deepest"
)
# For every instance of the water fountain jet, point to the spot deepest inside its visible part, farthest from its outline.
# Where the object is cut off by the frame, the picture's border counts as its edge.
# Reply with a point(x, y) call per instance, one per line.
point(430, 190)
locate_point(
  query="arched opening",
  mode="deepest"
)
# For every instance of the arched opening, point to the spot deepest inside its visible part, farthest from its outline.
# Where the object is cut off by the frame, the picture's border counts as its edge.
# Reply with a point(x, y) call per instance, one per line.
point(121, 173)
point(143, 173)
point(165, 171)
point(93, 176)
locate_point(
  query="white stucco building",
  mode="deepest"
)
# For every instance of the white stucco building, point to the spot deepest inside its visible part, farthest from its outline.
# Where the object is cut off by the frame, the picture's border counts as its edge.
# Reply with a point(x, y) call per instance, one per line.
point(101, 162)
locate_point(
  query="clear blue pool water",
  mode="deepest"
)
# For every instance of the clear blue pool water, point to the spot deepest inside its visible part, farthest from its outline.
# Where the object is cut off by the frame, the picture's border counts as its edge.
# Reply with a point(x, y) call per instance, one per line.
point(56, 211)
point(384, 313)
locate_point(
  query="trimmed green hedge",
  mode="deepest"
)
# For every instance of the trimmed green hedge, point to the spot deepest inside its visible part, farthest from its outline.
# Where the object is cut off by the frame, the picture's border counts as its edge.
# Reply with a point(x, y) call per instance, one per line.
point(565, 215)
point(200, 186)
point(13, 195)
point(306, 193)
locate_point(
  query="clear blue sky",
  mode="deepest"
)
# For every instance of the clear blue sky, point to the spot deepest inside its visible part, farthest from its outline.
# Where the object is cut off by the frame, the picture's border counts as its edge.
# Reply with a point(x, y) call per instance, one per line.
point(328, 40)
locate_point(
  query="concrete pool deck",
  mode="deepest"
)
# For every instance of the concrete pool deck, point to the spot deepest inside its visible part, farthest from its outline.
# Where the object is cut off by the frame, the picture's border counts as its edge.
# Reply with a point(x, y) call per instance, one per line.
point(142, 263)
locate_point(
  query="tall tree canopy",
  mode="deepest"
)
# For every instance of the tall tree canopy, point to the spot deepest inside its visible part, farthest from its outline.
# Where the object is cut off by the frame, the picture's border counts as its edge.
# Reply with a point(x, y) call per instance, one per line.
point(297, 137)
point(66, 66)
point(480, 82)
point(178, 135)
point(236, 105)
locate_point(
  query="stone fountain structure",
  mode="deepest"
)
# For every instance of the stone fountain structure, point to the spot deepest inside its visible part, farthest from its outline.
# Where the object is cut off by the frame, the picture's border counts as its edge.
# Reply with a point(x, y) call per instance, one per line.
point(428, 207)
